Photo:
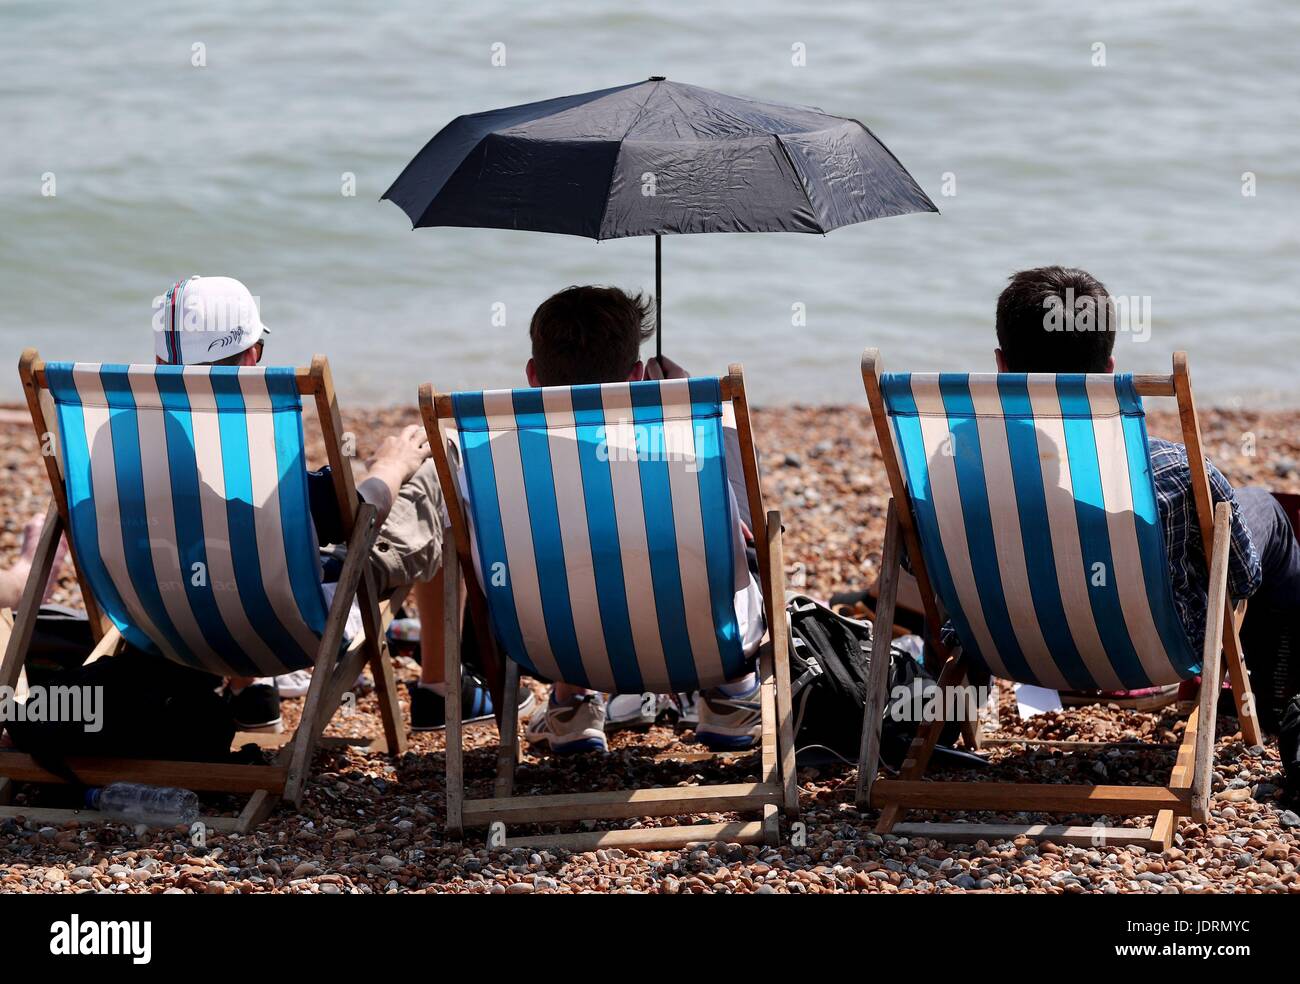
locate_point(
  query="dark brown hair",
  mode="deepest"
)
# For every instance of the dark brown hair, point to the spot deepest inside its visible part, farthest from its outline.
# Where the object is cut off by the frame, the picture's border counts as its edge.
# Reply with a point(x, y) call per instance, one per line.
point(1055, 319)
point(589, 335)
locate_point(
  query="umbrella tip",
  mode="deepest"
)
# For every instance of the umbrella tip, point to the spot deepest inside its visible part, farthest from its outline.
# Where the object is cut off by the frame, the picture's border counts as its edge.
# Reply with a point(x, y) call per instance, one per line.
point(658, 78)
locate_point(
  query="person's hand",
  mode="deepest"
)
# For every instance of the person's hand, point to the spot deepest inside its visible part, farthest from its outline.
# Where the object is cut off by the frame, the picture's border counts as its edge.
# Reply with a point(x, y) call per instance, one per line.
point(662, 367)
point(402, 453)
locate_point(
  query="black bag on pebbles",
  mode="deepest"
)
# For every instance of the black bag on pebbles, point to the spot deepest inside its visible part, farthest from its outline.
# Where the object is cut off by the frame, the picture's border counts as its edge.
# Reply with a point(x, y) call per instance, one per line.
point(830, 656)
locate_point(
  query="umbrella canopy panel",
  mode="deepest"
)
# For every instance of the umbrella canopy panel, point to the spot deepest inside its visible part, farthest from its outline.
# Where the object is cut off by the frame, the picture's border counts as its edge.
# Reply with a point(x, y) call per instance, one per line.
point(654, 158)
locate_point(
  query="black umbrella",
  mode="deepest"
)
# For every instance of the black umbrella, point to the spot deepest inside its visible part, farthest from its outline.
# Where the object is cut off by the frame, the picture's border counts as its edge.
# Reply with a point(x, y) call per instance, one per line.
point(651, 159)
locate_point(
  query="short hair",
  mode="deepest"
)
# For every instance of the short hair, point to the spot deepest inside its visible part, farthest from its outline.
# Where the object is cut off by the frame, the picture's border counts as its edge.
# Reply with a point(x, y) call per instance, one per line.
point(589, 335)
point(1055, 319)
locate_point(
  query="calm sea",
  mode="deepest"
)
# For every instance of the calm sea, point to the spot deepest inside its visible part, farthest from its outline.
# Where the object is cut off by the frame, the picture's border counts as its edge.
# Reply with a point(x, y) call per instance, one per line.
point(1134, 169)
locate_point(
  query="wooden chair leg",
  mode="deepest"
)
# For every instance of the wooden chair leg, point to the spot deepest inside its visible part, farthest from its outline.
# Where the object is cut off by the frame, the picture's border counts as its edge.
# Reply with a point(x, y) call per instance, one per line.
point(381, 667)
point(780, 631)
point(20, 637)
point(316, 704)
point(110, 644)
point(1251, 732)
point(927, 736)
point(16, 630)
point(454, 783)
point(1218, 618)
point(6, 633)
point(508, 746)
point(1181, 778)
point(970, 728)
point(873, 713)
point(262, 803)
point(769, 757)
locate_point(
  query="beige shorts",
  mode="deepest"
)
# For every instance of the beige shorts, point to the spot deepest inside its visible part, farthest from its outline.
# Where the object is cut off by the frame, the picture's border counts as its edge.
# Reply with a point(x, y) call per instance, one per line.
point(409, 545)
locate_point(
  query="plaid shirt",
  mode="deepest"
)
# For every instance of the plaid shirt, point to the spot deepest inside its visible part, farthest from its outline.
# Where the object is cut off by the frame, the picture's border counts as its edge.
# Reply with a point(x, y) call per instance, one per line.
point(1188, 567)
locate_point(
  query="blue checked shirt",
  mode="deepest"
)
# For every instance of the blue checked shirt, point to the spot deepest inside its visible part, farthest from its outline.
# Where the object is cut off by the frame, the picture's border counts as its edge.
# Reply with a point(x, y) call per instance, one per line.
point(1188, 566)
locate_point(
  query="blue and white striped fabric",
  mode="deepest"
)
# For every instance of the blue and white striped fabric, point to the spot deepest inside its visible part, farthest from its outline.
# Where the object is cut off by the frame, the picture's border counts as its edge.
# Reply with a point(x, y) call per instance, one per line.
point(1037, 518)
point(189, 512)
point(605, 532)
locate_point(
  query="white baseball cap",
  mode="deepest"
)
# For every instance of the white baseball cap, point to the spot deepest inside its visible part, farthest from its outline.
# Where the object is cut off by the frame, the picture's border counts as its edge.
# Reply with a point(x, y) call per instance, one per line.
point(205, 319)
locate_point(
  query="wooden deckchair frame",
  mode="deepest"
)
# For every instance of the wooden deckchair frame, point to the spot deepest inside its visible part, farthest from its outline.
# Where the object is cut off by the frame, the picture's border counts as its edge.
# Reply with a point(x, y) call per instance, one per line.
point(334, 675)
point(778, 789)
point(1188, 791)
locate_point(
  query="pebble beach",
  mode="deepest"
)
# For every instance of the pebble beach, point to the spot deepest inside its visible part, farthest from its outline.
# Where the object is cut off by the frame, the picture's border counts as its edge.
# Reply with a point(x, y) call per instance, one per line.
point(370, 824)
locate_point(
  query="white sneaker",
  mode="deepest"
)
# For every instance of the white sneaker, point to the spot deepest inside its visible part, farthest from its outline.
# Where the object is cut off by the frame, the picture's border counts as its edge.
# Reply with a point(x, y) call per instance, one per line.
point(729, 724)
point(631, 711)
point(683, 709)
point(578, 726)
point(295, 684)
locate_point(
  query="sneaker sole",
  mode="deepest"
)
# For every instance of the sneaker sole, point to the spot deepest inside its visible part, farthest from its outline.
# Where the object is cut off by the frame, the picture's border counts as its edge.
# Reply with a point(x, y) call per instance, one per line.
point(590, 743)
point(579, 746)
point(726, 743)
point(630, 724)
point(442, 727)
point(275, 727)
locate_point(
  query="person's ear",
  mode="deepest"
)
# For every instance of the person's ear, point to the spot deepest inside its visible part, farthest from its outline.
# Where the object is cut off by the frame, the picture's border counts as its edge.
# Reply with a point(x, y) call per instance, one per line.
point(1000, 359)
point(637, 374)
point(530, 371)
point(1110, 364)
point(251, 356)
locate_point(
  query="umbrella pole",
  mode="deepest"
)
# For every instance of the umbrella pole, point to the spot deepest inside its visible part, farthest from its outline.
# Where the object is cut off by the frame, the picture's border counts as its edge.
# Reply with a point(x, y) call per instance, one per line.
point(659, 298)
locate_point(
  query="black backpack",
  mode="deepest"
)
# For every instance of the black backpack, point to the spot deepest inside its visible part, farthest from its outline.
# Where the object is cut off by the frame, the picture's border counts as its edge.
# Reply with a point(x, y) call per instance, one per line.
point(830, 655)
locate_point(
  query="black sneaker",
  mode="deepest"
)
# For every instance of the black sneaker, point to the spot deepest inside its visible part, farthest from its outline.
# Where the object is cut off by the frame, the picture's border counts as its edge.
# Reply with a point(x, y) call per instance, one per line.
point(429, 709)
point(257, 708)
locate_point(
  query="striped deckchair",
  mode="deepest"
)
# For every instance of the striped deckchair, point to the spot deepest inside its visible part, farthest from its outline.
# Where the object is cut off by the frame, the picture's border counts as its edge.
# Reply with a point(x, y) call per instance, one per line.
point(596, 525)
point(1027, 506)
point(183, 492)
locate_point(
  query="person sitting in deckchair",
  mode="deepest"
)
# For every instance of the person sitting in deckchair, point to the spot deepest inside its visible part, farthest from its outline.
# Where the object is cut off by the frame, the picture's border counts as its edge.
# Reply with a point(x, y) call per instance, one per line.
point(588, 335)
point(215, 321)
point(1056, 319)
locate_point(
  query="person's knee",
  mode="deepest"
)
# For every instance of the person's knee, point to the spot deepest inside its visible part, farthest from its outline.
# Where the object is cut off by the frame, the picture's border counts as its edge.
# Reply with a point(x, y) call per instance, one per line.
point(1263, 515)
point(424, 483)
point(408, 548)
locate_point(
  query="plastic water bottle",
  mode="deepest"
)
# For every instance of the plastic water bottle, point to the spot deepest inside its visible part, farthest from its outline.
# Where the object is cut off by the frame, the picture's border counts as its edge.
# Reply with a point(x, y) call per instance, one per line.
point(912, 645)
point(404, 637)
point(404, 630)
point(151, 806)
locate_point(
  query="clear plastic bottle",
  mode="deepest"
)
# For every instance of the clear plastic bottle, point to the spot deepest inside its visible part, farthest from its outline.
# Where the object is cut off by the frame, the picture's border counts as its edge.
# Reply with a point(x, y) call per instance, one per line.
point(404, 630)
point(152, 806)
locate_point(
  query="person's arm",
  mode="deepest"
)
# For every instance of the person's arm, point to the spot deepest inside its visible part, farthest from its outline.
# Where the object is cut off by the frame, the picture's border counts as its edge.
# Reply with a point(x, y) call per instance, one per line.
point(396, 461)
point(1244, 571)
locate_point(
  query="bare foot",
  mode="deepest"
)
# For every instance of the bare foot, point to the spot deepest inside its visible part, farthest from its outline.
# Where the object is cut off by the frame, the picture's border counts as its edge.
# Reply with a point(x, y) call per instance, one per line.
point(27, 553)
point(32, 536)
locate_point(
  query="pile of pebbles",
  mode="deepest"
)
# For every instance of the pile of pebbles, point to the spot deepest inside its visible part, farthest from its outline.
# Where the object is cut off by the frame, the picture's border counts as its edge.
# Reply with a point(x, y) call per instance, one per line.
point(370, 824)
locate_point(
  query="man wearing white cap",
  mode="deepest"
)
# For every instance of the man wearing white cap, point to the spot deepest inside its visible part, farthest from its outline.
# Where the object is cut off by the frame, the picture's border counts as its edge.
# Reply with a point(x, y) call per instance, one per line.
point(215, 321)
point(207, 320)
